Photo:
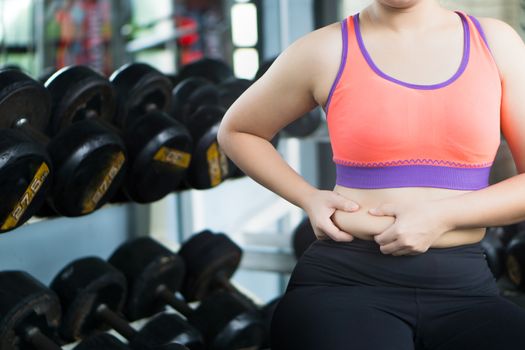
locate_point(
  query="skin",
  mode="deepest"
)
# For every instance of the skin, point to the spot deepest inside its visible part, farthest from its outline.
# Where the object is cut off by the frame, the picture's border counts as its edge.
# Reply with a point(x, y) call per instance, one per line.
point(403, 37)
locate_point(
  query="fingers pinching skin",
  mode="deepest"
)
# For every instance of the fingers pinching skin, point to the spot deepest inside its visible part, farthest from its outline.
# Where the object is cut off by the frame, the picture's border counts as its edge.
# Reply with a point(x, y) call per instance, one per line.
point(342, 203)
point(383, 210)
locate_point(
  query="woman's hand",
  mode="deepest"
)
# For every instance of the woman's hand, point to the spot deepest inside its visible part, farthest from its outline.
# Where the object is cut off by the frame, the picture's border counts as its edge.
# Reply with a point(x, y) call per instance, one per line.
point(320, 206)
point(416, 227)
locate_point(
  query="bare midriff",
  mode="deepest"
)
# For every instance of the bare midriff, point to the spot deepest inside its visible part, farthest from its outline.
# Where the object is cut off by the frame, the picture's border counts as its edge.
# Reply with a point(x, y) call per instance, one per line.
point(365, 226)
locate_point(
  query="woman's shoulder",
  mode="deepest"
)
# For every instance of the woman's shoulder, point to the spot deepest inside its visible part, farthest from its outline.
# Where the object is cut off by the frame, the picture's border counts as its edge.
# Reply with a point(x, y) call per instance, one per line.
point(311, 61)
point(504, 42)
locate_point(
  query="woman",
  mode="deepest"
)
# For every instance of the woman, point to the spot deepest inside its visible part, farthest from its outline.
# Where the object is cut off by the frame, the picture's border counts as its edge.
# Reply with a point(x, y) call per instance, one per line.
point(416, 96)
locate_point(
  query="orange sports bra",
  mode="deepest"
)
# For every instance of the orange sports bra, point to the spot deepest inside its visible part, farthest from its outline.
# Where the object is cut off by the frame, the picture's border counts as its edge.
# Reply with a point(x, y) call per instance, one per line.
point(388, 133)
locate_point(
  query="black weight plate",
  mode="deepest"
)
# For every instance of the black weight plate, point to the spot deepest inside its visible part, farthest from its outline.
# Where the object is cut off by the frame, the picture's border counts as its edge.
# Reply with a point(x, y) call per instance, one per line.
point(103, 341)
point(230, 90)
point(209, 165)
point(206, 95)
point(24, 303)
point(82, 287)
point(79, 93)
point(169, 328)
point(140, 88)
point(228, 323)
point(180, 95)
point(202, 120)
point(208, 256)
point(160, 151)
point(302, 237)
point(23, 98)
point(305, 125)
point(147, 264)
point(26, 177)
point(90, 166)
point(211, 69)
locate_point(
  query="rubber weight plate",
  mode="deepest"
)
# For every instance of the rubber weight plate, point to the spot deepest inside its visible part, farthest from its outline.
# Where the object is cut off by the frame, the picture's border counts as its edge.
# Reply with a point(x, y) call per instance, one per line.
point(211, 69)
point(25, 178)
point(16, 90)
point(146, 264)
point(228, 323)
point(208, 258)
point(181, 94)
point(82, 286)
point(90, 166)
point(140, 88)
point(79, 93)
point(170, 328)
point(25, 303)
point(210, 166)
point(160, 151)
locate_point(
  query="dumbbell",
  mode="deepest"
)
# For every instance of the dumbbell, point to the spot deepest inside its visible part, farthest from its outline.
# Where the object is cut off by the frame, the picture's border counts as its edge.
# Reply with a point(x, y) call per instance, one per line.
point(159, 147)
point(25, 166)
point(92, 294)
point(195, 103)
point(200, 104)
point(211, 259)
point(30, 315)
point(88, 155)
point(80, 182)
point(302, 237)
point(305, 125)
point(88, 159)
point(155, 274)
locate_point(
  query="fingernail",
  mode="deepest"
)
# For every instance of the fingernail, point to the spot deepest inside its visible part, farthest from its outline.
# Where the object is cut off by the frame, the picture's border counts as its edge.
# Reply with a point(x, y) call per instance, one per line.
point(353, 206)
point(373, 211)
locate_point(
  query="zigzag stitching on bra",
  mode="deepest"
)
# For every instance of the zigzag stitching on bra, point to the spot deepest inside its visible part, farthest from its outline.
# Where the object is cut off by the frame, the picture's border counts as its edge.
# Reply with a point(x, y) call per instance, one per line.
point(431, 162)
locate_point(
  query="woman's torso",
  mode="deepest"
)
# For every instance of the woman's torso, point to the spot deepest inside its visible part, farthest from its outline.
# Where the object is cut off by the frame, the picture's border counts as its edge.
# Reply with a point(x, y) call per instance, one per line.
point(416, 58)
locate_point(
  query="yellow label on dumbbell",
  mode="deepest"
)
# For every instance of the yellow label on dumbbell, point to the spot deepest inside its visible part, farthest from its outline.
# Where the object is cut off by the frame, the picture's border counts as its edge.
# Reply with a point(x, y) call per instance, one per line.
point(225, 166)
point(36, 184)
point(93, 198)
point(173, 157)
point(214, 166)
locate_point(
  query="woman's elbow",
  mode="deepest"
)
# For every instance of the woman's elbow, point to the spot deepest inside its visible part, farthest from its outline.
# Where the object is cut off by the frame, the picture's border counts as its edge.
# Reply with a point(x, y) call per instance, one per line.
point(223, 135)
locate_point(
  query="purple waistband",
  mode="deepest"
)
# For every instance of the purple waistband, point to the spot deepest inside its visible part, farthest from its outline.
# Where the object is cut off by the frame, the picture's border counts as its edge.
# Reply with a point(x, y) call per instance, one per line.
point(467, 179)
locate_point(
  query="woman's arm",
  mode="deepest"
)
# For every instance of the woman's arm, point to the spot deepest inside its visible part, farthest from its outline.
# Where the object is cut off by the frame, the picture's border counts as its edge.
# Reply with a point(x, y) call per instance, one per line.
point(298, 81)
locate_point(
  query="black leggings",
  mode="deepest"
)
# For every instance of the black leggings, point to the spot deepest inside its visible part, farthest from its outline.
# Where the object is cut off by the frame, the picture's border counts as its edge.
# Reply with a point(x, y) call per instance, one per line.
point(349, 296)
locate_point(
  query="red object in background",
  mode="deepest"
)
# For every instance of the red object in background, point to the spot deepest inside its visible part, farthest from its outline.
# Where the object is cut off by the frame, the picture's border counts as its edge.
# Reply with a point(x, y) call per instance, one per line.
point(188, 23)
point(190, 50)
